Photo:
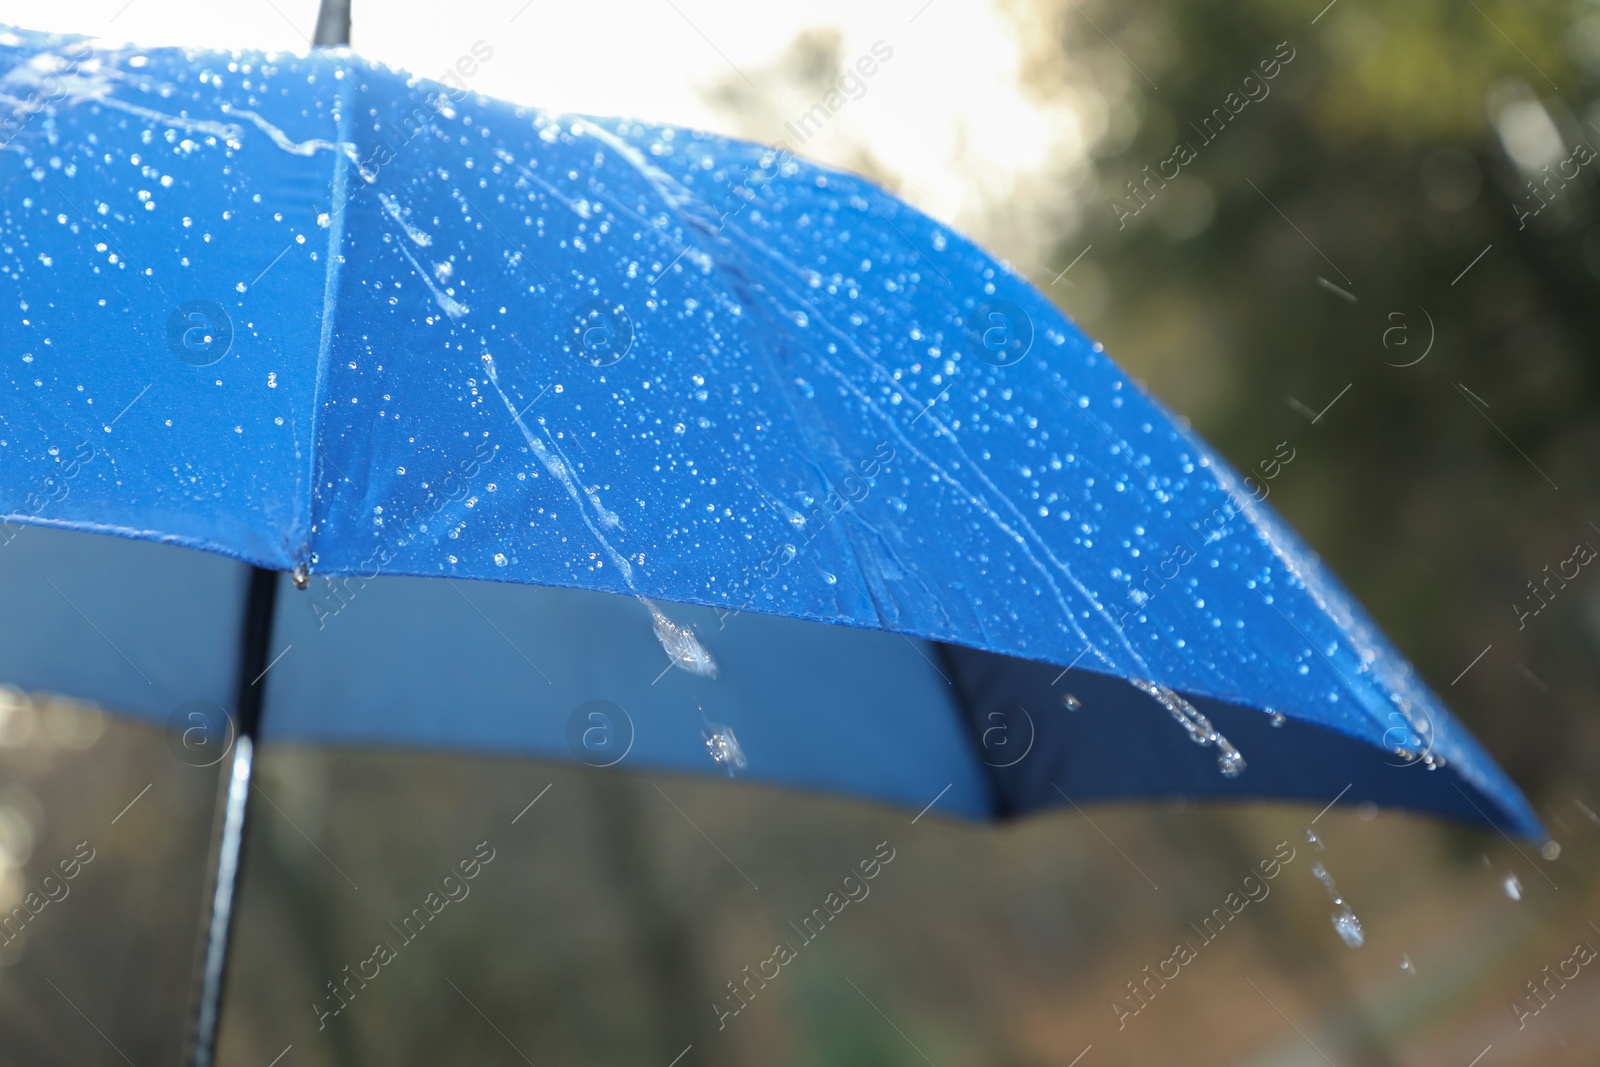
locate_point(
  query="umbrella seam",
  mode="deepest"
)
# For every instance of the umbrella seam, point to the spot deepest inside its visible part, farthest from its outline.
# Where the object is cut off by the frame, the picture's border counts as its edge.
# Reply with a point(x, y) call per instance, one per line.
point(304, 552)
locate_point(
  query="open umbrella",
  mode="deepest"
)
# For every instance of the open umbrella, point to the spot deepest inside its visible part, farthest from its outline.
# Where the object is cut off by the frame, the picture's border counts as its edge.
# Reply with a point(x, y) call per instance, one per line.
point(599, 440)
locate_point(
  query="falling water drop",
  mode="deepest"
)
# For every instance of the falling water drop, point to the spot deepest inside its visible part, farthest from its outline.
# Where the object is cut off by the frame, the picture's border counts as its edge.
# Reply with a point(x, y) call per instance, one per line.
point(1312, 839)
point(1551, 850)
point(1070, 702)
point(1276, 718)
point(724, 748)
point(1513, 887)
point(1345, 923)
point(682, 645)
point(1406, 968)
point(1230, 761)
point(1348, 926)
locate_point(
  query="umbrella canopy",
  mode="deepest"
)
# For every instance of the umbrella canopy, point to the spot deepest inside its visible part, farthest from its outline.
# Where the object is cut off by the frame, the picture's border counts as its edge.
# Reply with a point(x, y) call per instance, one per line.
point(313, 315)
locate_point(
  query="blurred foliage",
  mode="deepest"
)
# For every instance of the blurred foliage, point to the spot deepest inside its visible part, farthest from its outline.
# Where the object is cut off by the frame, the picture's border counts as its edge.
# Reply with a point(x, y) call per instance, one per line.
point(1378, 164)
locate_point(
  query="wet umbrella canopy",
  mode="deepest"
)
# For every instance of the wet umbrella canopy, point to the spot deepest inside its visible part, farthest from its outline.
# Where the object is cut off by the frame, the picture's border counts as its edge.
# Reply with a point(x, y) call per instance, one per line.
point(597, 440)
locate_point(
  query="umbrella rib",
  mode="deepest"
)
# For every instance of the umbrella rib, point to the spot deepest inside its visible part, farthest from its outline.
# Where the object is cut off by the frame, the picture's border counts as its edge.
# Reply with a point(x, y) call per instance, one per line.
point(1102, 833)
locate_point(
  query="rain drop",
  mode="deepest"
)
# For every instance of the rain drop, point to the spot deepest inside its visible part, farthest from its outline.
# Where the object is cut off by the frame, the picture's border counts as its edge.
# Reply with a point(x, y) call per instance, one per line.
point(1551, 850)
point(1276, 718)
point(1070, 702)
point(1513, 887)
point(499, 559)
point(1229, 759)
point(1345, 923)
point(1348, 926)
point(724, 748)
point(1406, 967)
point(681, 644)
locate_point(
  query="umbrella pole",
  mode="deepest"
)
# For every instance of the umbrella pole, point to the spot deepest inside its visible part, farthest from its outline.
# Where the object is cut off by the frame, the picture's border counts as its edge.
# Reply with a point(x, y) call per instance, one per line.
point(257, 636)
point(333, 24)
point(333, 29)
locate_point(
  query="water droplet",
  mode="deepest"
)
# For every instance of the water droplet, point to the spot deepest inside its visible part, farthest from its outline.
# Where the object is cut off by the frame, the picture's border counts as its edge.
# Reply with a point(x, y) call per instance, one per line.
point(499, 559)
point(1070, 702)
point(1406, 967)
point(1551, 850)
point(1229, 759)
point(1513, 887)
point(1276, 718)
point(1313, 839)
point(724, 748)
point(1345, 923)
point(1348, 927)
point(682, 645)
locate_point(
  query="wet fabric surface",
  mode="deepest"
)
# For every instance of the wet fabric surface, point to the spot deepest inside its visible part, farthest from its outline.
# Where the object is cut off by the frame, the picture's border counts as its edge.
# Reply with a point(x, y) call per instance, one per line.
point(308, 311)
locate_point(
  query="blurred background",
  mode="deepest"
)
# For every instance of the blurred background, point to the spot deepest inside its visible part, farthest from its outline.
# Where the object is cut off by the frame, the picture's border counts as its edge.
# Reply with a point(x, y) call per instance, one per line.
point(1386, 254)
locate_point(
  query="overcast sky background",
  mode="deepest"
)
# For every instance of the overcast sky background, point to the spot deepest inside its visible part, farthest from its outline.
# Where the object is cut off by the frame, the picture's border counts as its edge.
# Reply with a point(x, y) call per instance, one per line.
point(955, 122)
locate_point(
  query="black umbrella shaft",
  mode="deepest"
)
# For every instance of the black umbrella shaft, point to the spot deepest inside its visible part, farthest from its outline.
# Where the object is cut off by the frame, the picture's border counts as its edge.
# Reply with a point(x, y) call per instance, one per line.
point(256, 639)
point(333, 24)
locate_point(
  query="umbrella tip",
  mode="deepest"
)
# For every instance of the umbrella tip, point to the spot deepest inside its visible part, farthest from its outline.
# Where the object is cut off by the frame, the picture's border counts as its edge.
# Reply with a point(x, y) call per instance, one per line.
point(333, 24)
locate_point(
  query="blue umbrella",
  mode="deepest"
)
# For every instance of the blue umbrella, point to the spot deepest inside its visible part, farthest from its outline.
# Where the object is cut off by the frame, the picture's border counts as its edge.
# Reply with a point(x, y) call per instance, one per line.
point(600, 440)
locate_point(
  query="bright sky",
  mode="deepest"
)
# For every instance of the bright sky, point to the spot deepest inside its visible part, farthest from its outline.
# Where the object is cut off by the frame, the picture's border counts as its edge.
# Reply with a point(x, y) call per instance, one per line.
point(945, 121)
